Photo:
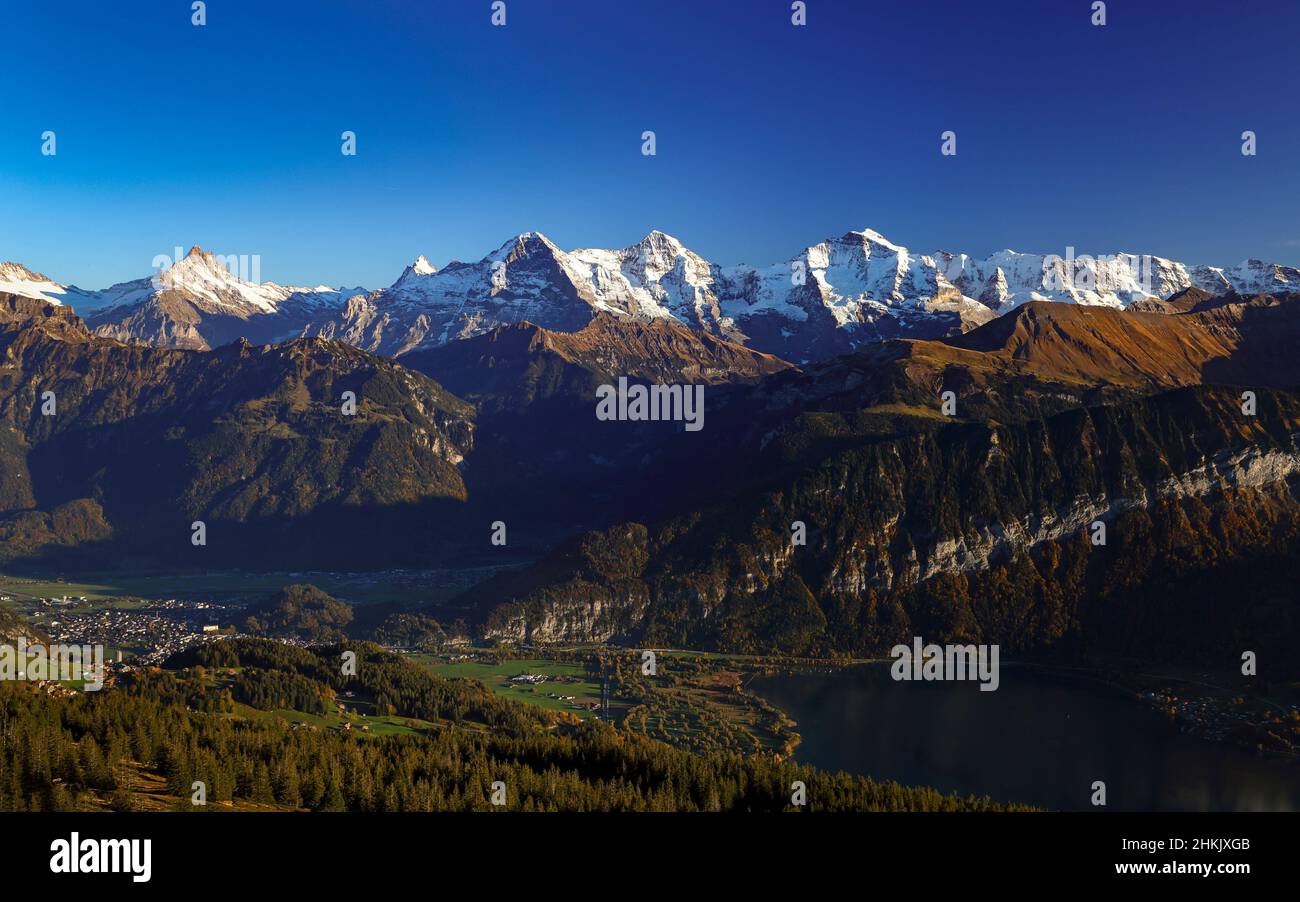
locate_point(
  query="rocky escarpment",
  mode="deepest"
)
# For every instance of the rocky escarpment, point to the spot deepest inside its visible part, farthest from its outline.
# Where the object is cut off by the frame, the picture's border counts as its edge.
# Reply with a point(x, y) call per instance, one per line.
point(890, 522)
point(1222, 476)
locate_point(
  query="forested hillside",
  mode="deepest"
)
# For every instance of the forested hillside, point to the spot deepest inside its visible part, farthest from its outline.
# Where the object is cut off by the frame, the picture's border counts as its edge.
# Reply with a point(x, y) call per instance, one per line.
point(972, 532)
point(90, 749)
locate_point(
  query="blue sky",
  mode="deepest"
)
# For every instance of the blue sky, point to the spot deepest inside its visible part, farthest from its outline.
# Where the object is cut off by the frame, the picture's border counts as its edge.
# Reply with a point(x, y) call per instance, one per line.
point(770, 137)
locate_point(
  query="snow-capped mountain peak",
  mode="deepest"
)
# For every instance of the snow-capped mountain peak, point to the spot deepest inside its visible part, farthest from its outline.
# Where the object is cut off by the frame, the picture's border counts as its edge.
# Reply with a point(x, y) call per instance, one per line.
point(16, 272)
point(831, 297)
point(415, 273)
point(657, 254)
point(222, 283)
point(659, 242)
point(872, 237)
point(18, 279)
point(1256, 276)
point(524, 245)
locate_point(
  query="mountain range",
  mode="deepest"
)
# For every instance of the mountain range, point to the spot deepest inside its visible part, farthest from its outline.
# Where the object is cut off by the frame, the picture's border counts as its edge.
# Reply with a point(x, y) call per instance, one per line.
point(141, 442)
point(474, 388)
point(973, 527)
point(833, 297)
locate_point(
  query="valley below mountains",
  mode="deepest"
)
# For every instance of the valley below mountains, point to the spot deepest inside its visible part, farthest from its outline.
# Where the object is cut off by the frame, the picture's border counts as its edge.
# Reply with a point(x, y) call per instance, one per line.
point(850, 490)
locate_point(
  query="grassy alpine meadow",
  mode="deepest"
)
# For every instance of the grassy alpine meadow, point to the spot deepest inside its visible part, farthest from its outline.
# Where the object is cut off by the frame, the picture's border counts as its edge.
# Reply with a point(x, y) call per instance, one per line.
point(568, 685)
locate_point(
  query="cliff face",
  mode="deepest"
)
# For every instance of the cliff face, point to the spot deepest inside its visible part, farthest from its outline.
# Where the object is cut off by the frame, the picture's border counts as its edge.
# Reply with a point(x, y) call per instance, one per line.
point(888, 520)
point(597, 592)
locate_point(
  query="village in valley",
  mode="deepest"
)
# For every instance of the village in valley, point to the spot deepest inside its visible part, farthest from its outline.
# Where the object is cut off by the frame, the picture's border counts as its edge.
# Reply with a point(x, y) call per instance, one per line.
point(147, 632)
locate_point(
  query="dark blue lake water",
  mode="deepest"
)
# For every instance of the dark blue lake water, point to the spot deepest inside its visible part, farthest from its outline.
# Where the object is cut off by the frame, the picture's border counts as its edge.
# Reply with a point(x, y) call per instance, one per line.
point(1036, 739)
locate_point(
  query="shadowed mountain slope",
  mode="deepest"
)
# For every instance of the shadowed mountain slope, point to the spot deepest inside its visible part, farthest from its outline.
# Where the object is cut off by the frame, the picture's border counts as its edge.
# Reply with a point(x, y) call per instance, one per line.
point(135, 443)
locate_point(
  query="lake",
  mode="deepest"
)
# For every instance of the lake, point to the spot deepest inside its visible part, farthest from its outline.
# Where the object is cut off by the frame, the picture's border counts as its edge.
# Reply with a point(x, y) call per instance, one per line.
point(1037, 740)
